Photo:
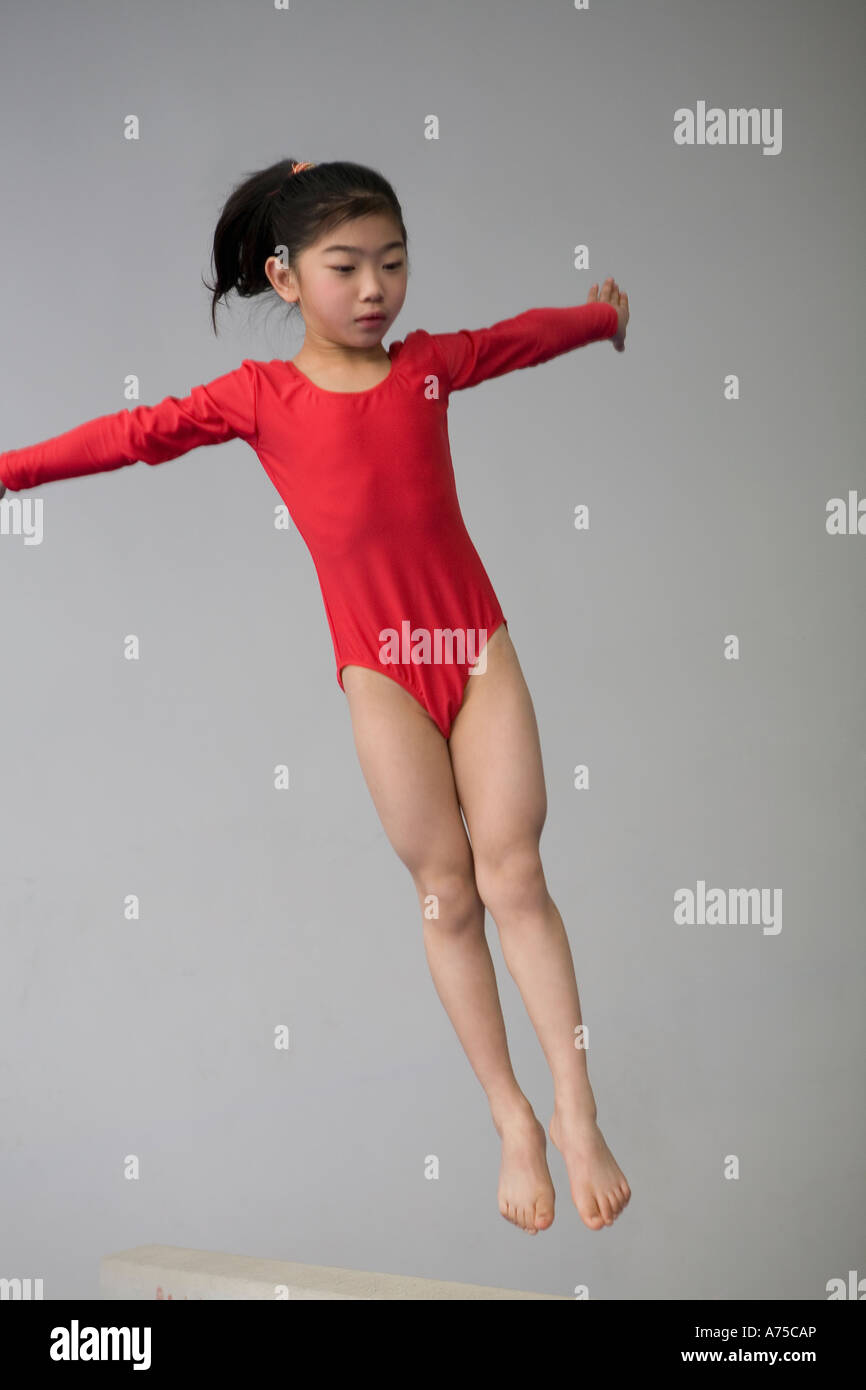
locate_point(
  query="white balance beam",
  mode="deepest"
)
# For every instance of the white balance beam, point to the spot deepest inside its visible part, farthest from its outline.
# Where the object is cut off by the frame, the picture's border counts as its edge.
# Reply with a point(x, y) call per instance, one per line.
point(167, 1271)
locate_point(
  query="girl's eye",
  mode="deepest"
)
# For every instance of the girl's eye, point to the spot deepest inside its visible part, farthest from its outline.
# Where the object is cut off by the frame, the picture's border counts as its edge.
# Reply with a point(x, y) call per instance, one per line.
point(393, 265)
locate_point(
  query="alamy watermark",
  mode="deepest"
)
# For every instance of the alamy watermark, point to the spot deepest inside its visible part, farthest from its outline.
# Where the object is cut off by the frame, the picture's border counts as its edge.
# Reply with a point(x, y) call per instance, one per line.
point(438, 646)
point(738, 126)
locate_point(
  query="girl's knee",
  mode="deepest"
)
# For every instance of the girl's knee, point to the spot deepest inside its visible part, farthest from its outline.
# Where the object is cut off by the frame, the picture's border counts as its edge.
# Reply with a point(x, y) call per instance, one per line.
point(511, 882)
point(449, 898)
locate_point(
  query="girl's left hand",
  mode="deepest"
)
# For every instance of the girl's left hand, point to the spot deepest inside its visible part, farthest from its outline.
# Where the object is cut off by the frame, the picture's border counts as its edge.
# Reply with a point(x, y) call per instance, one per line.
point(612, 294)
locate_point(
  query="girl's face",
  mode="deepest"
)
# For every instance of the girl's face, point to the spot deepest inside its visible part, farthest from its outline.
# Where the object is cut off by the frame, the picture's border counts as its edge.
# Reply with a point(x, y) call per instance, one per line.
point(360, 268)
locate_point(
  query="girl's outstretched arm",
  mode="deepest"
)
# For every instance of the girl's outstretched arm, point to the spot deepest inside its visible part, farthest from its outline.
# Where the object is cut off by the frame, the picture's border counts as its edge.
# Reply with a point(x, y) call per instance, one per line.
point(223, 409)
point(469, 357)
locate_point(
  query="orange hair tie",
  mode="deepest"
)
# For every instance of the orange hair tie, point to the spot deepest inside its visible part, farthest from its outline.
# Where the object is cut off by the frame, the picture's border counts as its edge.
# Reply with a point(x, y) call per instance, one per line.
point(297, 168)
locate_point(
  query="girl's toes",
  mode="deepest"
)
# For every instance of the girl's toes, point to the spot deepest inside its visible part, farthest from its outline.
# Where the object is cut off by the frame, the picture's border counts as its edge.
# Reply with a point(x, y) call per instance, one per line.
point(543, 1216)
point(605, 1209)
point(589, 1212)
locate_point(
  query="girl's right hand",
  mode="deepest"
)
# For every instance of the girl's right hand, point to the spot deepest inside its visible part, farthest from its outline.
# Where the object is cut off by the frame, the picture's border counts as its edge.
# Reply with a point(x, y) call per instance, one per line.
point(612, 294)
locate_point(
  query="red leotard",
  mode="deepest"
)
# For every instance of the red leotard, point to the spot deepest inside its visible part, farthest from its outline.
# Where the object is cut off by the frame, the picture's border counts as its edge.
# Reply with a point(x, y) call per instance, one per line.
point(367, 478)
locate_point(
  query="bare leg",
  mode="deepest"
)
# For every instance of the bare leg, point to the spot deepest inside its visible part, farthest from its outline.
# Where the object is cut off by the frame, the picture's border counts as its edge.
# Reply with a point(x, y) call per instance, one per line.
point(406, 766)
point(496, 755)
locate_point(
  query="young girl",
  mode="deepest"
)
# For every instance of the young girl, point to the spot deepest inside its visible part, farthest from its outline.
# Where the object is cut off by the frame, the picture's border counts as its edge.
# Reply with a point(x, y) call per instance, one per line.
point(355, 440)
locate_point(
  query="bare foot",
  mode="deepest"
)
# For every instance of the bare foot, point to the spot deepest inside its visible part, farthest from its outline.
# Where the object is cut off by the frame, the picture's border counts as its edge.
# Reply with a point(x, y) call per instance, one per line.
point(598, 1186)
point(526, 1194)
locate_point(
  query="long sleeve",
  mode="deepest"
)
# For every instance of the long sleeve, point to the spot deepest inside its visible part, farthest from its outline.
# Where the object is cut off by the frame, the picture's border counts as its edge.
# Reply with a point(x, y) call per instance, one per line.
point(530, 338)
point(223, 409)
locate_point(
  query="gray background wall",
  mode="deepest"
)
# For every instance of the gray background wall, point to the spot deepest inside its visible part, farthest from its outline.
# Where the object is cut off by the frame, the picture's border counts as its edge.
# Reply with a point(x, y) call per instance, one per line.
point(154, 777)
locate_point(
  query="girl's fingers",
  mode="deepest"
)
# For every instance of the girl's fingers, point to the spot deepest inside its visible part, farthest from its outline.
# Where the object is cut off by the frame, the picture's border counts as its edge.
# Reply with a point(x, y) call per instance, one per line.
point(610, 291)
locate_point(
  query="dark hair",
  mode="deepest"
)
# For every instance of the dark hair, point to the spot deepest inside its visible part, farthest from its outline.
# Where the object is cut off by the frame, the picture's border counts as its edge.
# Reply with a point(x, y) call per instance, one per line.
point(274, 207)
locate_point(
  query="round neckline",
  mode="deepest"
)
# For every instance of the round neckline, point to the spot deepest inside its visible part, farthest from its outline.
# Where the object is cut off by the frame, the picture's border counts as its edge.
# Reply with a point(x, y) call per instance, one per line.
point(367, 390)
